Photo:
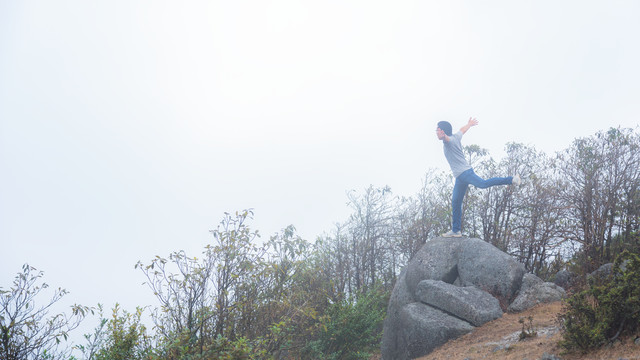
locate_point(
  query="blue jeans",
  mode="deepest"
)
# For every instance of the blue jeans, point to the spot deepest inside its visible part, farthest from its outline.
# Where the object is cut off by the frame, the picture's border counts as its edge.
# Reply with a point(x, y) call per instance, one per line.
point(460, 189)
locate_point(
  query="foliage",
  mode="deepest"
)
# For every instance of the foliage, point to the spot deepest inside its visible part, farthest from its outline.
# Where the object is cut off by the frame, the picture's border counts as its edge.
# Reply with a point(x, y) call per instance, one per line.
point(605, 310)
point(203, 303)
point(218, 348)
point(630, 242)
point(233, 258)
point(26, 329)
point(370, 232)
point(291, 292)
point(238, 296)
point(351, 328)
point(600, 180)
point(122, 337)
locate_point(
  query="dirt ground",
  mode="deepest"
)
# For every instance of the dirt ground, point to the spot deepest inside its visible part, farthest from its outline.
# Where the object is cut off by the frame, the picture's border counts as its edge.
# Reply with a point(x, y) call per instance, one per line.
point(499, 339)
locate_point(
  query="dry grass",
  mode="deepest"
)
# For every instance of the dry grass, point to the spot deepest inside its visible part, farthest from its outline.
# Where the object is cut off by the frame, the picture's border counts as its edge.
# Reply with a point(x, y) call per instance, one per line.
point(499, 339)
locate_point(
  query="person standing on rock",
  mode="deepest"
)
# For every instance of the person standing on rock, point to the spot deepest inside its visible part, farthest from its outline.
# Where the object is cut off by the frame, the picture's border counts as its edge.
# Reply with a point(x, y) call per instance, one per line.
point(463, 172)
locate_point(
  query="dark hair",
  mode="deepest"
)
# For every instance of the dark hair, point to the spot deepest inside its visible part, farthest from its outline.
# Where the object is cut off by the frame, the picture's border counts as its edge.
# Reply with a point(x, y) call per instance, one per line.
point(446, 127)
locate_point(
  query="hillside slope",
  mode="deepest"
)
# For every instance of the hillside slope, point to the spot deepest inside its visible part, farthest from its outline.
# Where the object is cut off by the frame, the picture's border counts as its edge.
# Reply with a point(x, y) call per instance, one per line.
point(499, 339)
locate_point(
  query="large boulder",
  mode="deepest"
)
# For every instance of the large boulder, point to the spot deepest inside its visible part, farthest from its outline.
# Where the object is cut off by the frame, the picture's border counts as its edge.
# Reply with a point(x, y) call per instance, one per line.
point(565, 279)
point(601, 274)
point(450, 285)
point(535, 291)
point(484, 266)
point(604, 272)
point(436, 260)
point(427, 328)
point(467, 303)
point(394, 340)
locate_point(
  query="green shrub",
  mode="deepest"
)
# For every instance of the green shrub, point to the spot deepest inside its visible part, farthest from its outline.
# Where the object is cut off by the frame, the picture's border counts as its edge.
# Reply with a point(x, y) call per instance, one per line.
point(122, 337)
point(606, 309)
point(350, 329)
point(126, 337)
point(185, 347)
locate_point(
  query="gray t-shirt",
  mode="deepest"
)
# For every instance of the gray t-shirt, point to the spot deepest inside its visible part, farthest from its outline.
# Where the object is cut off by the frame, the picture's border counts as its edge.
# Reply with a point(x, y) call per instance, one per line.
point(455, 156)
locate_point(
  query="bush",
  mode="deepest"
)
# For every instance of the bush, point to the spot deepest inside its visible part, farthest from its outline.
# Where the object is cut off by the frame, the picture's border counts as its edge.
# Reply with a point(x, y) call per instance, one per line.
point(351, 329)
point(606, 309)
point(219, 348)
point(123, 337)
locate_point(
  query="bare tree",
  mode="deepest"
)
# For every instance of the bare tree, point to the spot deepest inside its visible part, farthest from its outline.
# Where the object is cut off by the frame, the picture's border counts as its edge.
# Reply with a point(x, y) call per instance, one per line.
point(369, 226)
point(26, 329)
point(233, 256)
point(422, 217)
point(205, 297)
point(539, 212)
point(600, 176)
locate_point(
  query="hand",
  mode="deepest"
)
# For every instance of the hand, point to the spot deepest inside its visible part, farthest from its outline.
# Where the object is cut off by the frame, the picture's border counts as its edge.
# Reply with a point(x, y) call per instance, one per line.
point(472, 122)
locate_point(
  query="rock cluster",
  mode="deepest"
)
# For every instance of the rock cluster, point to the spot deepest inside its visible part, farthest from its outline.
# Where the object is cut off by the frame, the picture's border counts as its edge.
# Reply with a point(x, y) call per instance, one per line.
point(534, 291)
point(450, 286)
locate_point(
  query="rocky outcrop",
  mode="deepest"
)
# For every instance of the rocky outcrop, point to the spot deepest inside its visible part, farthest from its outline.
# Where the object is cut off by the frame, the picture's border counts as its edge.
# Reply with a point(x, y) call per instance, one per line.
point(466, 262)
point(450, 286)
point(535, 291)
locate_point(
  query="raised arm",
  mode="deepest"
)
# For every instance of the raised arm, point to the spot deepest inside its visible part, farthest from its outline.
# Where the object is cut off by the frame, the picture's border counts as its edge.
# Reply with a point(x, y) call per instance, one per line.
point(472, 122)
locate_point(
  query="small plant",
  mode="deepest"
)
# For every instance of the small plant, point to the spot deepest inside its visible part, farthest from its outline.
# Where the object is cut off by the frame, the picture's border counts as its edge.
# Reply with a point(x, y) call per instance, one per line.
point(528, 330)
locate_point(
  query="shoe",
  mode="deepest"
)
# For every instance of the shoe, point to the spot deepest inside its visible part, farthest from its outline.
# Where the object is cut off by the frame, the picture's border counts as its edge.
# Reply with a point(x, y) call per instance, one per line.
point(516, 180)
point(451, 233)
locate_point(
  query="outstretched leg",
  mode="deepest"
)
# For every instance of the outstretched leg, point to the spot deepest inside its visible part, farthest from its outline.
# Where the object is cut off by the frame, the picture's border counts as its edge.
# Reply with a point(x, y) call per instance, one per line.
point(470, 177)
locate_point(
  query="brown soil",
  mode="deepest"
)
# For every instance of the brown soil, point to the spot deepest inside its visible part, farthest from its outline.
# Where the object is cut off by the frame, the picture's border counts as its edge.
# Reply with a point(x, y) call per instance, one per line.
point(499, 339)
